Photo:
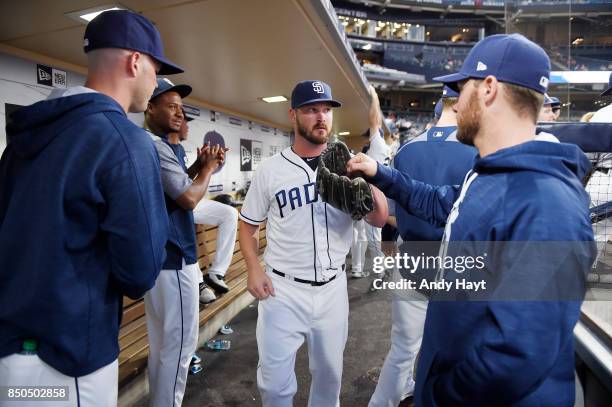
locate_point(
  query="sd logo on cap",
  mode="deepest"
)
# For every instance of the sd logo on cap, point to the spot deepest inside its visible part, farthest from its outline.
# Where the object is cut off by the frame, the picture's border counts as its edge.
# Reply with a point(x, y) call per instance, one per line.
point(309, 92)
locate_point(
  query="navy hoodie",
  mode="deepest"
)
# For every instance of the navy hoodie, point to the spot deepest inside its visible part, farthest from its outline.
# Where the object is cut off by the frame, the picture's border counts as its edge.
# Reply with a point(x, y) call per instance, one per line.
point(520, 353)
point(82, 223)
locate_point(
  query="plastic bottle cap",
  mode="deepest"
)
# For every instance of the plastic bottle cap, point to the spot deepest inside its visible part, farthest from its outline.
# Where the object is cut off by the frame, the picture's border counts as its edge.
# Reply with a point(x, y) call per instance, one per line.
point(30, 345)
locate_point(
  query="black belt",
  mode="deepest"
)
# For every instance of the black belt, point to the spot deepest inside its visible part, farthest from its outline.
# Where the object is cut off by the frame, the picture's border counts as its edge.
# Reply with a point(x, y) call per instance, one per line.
point(310, 282)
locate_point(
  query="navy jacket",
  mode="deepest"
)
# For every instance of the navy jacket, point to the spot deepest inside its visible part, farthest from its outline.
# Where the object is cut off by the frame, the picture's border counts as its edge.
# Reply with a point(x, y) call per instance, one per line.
point(181, 245)
point(82, 223)
point(437, 158)
point(520, 353)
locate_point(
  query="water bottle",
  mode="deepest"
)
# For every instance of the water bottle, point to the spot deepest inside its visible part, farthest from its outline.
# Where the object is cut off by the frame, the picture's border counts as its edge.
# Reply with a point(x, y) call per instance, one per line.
point(218, 344)
point(29, 347)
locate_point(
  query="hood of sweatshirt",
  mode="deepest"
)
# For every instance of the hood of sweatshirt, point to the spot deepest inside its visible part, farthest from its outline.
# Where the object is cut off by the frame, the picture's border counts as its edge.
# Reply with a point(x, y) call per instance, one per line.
point(564, 161)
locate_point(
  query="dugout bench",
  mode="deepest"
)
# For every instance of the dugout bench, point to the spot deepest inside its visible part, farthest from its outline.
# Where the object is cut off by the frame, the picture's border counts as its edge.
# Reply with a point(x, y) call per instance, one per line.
point(133, 340)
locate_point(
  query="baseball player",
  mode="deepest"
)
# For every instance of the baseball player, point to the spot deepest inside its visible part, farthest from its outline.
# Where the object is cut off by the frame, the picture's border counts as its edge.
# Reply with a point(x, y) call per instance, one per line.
point(546, 113)
point(225, 217)
point(302, 290)
point(556, 107)
point(82, 219)
point(206, 294)
point(172, 304)
point(599, 186)
point(435, 157)
point(366, 236)
point(526, 196)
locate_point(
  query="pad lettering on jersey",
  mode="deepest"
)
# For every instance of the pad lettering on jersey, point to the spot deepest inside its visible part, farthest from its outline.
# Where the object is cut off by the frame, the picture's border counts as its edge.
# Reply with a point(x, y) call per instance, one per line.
point(311, 192)
point(293, 197)
point(281, 195)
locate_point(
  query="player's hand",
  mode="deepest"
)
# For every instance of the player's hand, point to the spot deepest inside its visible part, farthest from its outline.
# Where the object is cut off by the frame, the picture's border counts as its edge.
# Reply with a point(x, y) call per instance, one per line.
point(221, 155)
point(211, 157)
point(259, 284)
point(362, 163)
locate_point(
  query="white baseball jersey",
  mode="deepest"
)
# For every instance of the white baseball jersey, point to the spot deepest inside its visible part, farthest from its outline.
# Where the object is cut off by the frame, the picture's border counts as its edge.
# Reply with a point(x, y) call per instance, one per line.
point(379, 150)
point(306, 238)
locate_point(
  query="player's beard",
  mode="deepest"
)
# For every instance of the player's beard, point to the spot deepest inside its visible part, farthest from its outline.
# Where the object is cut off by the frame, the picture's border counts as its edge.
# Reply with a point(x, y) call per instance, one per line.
point(309, 135)
point(468, 121)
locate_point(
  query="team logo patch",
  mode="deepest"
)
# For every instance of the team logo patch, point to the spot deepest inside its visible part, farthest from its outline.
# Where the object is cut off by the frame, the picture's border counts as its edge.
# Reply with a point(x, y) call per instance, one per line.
point(544, 82)
point(438, 134)
point(481, 66)
point(318, 87)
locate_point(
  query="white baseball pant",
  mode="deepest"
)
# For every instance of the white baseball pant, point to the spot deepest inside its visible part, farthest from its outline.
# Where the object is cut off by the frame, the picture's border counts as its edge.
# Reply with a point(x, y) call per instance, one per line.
point(172, 311)
point(599, 189)
point(298, 312)
point(209, 212)
point(365, 236)
point(408, 310)
point(97, 389)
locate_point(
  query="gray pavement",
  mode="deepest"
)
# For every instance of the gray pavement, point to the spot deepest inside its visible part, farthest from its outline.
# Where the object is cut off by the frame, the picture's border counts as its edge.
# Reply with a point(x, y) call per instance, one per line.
point(229, 377)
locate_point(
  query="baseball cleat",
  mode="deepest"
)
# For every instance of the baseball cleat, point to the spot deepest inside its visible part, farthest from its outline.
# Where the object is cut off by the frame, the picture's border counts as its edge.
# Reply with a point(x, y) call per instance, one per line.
point(195, 369)
point(195, 359)
point(207, 295)
point(216, 282)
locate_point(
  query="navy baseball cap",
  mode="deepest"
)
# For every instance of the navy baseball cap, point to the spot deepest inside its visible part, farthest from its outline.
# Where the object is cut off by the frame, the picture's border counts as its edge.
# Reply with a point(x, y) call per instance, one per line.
point(555, 101)
point(547, 100)
point(609, 90)
point(128, 30)
point(165, 85)
point(449, 93)
point(510, 58)
point(308, 92)
point(551, 100)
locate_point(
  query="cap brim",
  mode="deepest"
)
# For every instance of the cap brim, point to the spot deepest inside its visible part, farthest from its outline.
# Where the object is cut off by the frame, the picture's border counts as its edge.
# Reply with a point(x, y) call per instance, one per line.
point(334, 103)
point(606, 92)
point(451, 80)
point(187, 118)
point(182, 90)
point(167, 67)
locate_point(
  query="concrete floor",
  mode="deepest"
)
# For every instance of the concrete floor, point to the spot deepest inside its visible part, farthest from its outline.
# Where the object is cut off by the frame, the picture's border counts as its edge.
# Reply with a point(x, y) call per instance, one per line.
point(229, 377)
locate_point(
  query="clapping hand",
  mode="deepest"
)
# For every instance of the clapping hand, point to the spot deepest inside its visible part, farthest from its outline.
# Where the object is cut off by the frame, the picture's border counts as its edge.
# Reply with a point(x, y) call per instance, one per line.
point(211, 158)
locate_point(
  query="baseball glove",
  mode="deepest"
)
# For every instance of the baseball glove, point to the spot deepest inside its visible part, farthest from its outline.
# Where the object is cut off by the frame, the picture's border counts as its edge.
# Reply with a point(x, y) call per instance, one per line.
point(352, 196)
